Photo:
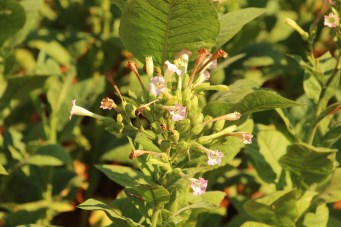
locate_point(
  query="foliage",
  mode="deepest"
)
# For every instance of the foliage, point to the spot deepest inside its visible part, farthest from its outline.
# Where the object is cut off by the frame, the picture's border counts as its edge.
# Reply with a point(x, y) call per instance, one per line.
point(171, 121)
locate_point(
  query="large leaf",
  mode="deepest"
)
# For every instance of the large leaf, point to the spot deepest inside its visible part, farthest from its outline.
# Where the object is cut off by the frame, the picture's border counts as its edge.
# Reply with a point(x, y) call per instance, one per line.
point(12, 18)
point(254, 102)
point(160, 28)
point(271, 145)
point(119, 221)
point(319, 218)
point(277, 209)
point(125, 176)
point(231, 23)
point(18, 88)
point(308, 165)
point(333, 191)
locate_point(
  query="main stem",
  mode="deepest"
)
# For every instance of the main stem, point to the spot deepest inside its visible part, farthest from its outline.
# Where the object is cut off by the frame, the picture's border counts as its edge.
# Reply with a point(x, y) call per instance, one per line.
point(155, 217)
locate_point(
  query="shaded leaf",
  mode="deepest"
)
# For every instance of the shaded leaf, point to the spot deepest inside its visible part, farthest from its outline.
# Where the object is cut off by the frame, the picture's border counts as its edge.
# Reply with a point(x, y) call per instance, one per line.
point(278, 209)
point(231, 23)
point(3, 170)
point(18, 88)
point(118, 220)
point(308, 165)
point(254, 224)
point(125, 176)
point(161, 28)
point(319, 218)
point(12, 18)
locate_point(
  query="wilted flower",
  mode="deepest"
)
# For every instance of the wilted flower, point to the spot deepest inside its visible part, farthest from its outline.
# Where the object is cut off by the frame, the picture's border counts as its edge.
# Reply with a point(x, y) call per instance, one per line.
point(245, 136)
point(80, 111)
point(198, 186)
point(178, 112)
point(157, 85)
point(107, 104)
point(136, 153)
point(214, 157)
point(332, 20)
point(229, 117)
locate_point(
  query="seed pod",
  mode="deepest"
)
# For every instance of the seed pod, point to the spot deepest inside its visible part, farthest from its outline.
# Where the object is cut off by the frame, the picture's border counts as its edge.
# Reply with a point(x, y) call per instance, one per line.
point(218, 125)
point(196, 130)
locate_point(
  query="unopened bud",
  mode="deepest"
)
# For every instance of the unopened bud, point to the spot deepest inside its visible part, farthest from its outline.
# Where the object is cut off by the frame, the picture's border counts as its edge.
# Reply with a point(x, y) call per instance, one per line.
point(149, 66)
point(218, 125)
point(175, 136)
point(295, 26)
point(197, 129)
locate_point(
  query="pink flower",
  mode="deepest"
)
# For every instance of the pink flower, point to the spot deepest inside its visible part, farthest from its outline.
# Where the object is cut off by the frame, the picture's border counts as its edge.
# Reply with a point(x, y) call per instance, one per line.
point(178, 112)
point(214, 157)
point(199, 186)
point(157, 85)
point(245, 136)
point(331, 20)
point(171, 69)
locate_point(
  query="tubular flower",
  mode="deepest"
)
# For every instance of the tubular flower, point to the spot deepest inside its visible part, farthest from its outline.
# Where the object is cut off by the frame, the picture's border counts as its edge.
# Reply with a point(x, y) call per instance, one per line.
point(198, 186)
point(157, 85)
point(214, 157)
point(332, 20)
point(171, 69)
point(245, 136)
point(80, 111)
point(178, 112)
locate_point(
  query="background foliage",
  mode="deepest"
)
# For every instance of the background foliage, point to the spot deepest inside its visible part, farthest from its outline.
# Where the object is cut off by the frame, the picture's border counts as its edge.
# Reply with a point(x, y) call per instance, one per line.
point(55, 51)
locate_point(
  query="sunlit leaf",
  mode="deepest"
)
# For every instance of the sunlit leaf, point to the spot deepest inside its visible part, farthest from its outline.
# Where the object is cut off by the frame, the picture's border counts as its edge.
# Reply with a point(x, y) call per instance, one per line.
point(161, 28)
point(49, 155)
point(125, 176)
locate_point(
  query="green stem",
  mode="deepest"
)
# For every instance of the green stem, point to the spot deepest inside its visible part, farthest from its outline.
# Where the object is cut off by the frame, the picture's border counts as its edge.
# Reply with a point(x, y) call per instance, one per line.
point(155, 217)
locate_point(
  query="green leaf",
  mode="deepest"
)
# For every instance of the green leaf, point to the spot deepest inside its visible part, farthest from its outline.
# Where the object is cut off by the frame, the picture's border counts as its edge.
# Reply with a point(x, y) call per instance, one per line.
point(278, 209)
point(266, 161)
point(54, 49)
point(121, 4)
point(332, 136)
point(254, 224)
point(231, 23)
point(18, 88)
point(319, 218)
point(312, 87)
point(118, 220)
point(148, 197)
point(329, 110)
point(12, 18)
point(332, 192)
point(308, 165)
point(254, 102)
point(125, 176)
point(146, 143)
point(3, 170)
point(161, 28)
point(49, 155)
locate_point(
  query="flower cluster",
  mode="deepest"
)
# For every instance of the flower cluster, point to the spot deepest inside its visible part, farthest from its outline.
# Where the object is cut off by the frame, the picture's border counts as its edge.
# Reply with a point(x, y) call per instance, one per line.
point(177, 124)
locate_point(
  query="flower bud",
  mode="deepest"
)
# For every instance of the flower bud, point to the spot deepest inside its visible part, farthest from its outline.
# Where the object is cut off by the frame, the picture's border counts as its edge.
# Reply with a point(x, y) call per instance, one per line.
point(197, 129)
point(149, 66)
point(209, 124)
point(182, 147)
point(197, 119)
point(156, 128)
point(183, 126)
point(218, 125)
point(175, 136)
point(295, 26)
point(194, 103)
point(119, 118)
point(165, 145)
